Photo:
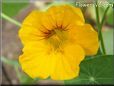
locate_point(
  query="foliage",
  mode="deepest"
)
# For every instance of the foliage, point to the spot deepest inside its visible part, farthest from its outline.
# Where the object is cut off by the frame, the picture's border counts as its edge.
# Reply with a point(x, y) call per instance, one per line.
point(11, 9)
point(95, 70)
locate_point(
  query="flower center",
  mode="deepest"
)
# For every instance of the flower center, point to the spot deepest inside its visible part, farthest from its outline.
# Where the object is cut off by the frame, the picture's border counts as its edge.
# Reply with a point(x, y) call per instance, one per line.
point(57, 37)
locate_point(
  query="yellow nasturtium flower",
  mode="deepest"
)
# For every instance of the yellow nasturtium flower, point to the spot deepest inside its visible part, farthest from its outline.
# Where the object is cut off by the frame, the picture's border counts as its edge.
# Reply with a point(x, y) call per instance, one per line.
point(55, 42)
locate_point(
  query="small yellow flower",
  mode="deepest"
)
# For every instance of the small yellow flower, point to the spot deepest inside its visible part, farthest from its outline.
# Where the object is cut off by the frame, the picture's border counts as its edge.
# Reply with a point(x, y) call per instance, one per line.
point(55, 42)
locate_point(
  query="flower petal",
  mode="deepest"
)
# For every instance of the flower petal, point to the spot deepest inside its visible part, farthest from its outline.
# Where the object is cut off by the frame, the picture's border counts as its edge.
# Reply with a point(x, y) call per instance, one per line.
point(74, 54)
point(34, 26)
point(47, 22)
point(30, 34)
point(39, 19)
point(65, 15)
point(41, 63)
point(67, 66)
point(86, 37)
point(78, 12)
point(33, 19)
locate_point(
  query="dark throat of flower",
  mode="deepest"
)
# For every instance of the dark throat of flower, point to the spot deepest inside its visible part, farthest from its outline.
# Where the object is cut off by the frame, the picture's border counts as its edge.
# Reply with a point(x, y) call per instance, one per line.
point(57, 37)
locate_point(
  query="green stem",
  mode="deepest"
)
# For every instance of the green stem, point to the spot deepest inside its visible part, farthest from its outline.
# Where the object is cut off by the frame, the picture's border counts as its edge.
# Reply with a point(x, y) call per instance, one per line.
point(100, 28)
point(98, 20)
point(102, 21)
point(101, 24)
point(102, 44)
point(10, 19)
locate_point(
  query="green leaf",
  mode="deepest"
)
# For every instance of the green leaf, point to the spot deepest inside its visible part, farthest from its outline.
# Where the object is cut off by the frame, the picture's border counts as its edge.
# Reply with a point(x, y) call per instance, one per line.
point(95, 70)
point(11, 9)
point(108, 41)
